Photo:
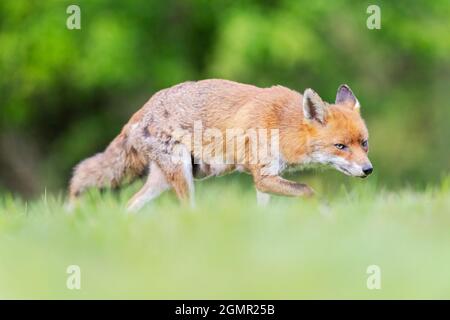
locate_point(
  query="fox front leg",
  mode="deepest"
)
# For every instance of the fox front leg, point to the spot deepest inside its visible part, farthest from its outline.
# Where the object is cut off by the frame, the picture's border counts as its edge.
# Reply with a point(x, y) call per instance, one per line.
point(262, 199)
point(279, 186)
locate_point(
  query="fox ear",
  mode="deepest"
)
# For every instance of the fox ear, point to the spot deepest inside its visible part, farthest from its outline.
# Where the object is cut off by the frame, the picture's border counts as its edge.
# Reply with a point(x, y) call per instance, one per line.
point(313, 106)
point(345, 95)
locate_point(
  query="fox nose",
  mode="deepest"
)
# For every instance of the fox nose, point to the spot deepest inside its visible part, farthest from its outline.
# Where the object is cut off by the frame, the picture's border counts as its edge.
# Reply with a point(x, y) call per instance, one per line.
point(367, 169)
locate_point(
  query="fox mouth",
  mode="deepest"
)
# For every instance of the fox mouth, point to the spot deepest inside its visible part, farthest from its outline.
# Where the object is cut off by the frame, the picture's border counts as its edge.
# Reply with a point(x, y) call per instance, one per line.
point(340, 168)
point(344, 170)
point(348, 173)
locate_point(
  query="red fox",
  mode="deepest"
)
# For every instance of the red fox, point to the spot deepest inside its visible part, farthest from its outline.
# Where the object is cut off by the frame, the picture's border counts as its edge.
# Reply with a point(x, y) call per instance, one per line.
point(157, 140)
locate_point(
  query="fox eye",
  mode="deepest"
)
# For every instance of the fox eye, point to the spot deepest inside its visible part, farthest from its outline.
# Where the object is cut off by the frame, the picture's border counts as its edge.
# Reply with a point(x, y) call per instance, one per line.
point(365, 144)
point(340, 146)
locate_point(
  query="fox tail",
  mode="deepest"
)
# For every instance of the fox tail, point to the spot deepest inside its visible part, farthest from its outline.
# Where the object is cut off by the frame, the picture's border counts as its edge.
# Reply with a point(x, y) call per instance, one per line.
point(105, 169)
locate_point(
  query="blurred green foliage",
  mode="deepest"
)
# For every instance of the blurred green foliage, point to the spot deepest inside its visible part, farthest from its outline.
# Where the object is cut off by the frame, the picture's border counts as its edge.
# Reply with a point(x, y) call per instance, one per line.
point(66, 93)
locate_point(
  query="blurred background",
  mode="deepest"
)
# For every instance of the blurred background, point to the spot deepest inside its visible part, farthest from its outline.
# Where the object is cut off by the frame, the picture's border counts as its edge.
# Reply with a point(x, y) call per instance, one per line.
point(65, 93)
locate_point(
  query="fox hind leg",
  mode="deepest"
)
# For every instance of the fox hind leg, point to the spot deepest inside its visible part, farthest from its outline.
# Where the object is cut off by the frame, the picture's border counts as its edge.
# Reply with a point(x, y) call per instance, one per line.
point(178, 172)
point(155, 185)
point(167, 172)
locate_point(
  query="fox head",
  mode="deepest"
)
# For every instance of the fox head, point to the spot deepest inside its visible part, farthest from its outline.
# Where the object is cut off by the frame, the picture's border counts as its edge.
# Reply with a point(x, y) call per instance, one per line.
point(339, 136)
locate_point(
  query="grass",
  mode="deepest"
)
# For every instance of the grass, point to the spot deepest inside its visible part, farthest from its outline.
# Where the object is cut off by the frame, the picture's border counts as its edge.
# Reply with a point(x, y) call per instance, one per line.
point(228, 247)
